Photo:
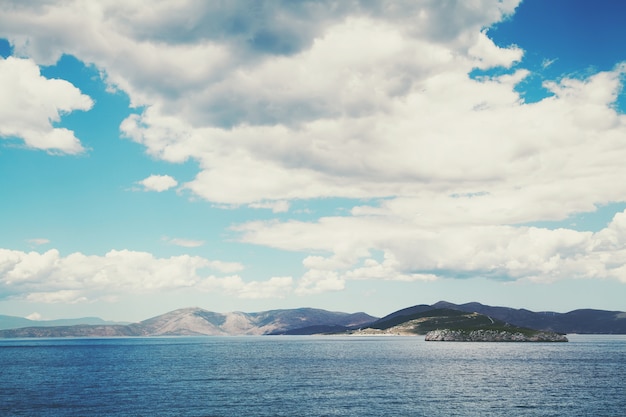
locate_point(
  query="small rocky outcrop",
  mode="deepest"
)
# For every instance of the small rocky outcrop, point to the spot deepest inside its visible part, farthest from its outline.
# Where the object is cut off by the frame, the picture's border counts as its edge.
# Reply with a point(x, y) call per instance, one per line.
point(485, 335)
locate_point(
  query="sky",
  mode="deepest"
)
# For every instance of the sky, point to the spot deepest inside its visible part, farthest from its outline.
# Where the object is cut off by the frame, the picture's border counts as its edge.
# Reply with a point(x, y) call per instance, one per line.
point(345, 155)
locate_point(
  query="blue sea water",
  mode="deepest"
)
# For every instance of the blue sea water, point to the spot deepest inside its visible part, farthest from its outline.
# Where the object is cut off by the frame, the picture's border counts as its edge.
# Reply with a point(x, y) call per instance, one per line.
point(311, 376)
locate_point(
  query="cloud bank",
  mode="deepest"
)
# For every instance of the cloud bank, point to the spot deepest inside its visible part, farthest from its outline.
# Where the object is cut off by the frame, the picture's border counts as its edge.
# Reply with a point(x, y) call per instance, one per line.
point(411, 251)
point(51, 278)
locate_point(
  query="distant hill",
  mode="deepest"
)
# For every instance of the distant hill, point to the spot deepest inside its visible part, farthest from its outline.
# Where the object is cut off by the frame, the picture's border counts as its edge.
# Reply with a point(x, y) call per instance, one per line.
point(445, 324)
point(425, 320)
point(584, 321)
point(200, 322)
point(13, 322)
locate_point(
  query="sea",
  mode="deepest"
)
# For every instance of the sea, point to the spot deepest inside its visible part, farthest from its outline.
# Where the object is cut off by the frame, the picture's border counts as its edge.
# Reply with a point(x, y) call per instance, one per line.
point(312, 376)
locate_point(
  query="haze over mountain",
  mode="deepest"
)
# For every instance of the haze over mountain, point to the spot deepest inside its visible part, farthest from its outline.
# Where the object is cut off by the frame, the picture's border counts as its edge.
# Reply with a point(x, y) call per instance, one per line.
point(14, 322)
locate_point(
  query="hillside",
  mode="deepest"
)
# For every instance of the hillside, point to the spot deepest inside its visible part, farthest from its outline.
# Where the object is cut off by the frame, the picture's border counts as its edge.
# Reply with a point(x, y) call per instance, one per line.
point(444, 324)
point(583, 321)
point(200, 322)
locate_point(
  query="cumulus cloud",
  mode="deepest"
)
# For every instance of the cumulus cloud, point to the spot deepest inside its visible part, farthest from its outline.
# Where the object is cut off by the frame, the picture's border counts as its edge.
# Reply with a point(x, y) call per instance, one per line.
point(52, 278)
point(30, 104)
point(335, 113)
point(158, 183)
point(386, 127)
point(316, 281)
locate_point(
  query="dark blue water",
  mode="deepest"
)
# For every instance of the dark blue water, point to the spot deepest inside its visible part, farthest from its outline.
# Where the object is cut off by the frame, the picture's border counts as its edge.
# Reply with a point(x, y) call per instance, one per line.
point(312, 376)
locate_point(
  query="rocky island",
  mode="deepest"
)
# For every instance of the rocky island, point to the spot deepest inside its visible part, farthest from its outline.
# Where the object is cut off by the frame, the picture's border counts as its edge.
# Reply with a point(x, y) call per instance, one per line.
point(486, 335)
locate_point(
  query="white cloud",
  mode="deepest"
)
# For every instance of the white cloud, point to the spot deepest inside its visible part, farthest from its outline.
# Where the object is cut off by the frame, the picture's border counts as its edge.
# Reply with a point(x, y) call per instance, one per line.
point(388, 269)
point(548, 62)
point(30, 104)
point(446, 134)
point(316, 281)
point(489, 55)
point(158, 183)
point(54, 297)
point(186, 243)
point(333, 114)
point(225, 267)
point(52, 278)
point(38, 241)
point(281, 206)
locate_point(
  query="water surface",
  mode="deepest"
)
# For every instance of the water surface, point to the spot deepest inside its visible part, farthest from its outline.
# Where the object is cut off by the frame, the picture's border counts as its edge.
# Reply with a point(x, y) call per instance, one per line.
point(311, 376)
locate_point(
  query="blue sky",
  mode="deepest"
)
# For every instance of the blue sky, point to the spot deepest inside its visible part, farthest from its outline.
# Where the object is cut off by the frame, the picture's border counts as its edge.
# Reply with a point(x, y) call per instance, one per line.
point(347, 156)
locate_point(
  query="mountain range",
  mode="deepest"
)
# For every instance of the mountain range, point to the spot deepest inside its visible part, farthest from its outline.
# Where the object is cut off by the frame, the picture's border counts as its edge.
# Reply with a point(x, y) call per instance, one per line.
point(583, 321)
point(199, 322)
point(306, 321)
